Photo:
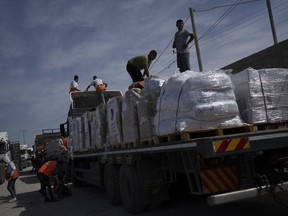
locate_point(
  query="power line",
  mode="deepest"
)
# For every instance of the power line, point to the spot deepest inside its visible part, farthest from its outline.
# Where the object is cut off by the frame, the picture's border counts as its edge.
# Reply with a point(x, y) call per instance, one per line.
point(228, 5)
point(251, 19)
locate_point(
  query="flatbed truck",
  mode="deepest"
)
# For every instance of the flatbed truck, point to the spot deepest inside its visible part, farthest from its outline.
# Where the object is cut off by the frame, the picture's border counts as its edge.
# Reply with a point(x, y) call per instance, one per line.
point(223, 164)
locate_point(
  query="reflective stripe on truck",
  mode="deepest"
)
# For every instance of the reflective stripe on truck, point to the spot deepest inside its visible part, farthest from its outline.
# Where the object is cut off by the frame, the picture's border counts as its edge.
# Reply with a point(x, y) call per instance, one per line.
point(219, 179)
point(231, 144)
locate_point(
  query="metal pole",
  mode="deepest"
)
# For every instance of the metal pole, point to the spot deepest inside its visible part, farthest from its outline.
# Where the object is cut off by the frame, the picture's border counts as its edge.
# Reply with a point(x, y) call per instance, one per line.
point(268, 3)
point(23, 132)
point(196, 40)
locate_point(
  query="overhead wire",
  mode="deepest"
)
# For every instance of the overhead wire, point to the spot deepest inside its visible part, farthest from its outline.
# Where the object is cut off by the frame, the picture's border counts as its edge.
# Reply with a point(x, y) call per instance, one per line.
point(228, 5)
point(232, 7)
point(257, 17)
point(165, 65)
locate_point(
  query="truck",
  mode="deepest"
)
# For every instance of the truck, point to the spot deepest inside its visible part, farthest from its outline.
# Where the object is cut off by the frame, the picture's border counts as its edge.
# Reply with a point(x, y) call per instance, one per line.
point(140, 157)
point(15, 154)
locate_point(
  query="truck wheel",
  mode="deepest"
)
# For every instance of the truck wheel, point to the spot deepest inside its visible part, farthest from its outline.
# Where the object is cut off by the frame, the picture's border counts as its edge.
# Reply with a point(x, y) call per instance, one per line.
point(130, 189)
point(111, 184)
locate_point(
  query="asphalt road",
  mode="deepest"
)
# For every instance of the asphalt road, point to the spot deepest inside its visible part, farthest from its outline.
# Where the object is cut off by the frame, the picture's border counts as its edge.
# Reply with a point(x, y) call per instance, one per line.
point(89, 200)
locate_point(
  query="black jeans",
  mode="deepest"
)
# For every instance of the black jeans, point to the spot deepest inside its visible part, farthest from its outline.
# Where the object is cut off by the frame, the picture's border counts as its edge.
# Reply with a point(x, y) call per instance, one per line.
point(11, 187)
point(134, 73)
point(45, 183)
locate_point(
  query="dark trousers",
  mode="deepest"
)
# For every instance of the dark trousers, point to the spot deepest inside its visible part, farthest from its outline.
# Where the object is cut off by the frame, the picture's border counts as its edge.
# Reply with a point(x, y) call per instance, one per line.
point(11, 188)
point(45, 183)
point(183, 61)
point(134, 73)
point(101, 96)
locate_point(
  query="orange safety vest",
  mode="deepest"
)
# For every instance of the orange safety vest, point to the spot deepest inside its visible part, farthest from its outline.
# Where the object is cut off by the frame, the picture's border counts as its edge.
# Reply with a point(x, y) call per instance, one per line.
point(73, 90)
point(15, 175)
point(100, 87)
point(48, 168)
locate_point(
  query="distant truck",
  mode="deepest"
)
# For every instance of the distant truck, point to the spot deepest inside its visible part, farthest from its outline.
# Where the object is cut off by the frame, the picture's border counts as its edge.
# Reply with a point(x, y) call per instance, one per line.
point(26, 154)
point(15, 154)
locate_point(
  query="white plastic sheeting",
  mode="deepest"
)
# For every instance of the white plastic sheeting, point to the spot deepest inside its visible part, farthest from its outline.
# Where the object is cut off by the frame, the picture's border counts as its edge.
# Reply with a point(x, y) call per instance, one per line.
point(196, 100)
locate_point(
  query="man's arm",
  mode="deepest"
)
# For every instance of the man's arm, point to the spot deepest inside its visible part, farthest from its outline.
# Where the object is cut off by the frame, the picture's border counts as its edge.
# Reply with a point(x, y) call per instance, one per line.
point(174, 45)
point(146, 72)
point(91, 84)
point(191, 38)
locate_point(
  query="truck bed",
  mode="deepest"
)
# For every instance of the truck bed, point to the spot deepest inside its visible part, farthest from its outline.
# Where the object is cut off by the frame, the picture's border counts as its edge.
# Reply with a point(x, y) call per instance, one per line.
point(209, 145)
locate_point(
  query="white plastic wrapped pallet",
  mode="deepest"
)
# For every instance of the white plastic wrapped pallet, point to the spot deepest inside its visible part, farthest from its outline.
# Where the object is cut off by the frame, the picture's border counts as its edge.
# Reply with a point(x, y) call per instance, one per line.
point(114, 121)
point(196, 100)
point(262, 94)
point(100, 126)
point(146, 107)
point(129, 115)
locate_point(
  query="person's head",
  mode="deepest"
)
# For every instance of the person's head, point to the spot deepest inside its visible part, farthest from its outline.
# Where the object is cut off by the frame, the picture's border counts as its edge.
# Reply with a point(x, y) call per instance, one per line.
point(76, 77)
point(152, 55)
point(180, 24)
point(94, 77)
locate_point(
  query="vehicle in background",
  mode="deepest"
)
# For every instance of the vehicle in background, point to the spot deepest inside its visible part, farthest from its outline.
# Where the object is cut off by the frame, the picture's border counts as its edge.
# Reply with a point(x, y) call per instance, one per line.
point(15, 154)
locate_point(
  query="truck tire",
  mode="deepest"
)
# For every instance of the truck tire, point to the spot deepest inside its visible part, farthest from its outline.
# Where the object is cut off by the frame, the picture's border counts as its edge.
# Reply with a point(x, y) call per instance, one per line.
point(130, 189)
point(111, 184)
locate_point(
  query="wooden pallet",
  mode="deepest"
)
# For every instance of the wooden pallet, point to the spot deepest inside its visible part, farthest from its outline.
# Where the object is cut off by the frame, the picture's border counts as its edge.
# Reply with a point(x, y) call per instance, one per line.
point(187, 135)
point(116, 146)
point(270, 126)
point(128, 145)
point(148, 141)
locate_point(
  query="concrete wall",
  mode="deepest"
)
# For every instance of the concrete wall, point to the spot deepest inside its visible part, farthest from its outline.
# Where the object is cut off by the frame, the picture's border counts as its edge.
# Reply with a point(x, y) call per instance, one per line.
point(271, 57)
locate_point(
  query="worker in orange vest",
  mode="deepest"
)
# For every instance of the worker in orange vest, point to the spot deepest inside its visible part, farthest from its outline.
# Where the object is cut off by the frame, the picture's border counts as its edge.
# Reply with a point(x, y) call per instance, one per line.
point(45, 173)
point(74, 84)
point(11, 175)
point(100, 88)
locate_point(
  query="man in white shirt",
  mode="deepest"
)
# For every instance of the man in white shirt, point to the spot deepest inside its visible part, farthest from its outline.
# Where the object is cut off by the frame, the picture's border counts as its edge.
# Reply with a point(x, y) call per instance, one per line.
point(100, 88)
point(74, 85)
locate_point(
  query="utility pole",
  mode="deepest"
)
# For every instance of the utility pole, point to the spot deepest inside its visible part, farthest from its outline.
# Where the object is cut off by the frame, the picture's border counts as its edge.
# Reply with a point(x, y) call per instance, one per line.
point(268, 3)
point(23, 133)
point(196, 40)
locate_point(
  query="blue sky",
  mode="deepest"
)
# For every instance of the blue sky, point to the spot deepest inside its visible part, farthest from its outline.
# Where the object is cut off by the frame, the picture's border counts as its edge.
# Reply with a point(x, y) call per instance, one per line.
point(43, 44)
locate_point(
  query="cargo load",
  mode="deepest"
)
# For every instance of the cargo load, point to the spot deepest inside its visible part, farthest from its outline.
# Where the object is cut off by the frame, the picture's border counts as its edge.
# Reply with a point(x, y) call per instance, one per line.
point(262, 95)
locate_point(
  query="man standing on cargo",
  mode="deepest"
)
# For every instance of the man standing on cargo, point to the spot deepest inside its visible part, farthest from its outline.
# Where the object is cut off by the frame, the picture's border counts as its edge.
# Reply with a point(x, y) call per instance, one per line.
point(181, 43)
point(74, 85)
point(138, 63)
